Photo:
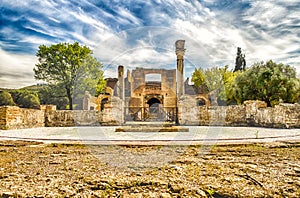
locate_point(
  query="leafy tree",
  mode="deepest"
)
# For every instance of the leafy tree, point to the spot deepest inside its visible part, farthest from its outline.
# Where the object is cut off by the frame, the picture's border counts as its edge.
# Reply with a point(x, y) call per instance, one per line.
point(68, 66)
point(26, 99)
point(230, 86)
point(54, 96)
point(198, 77)
point(100, 88)
point(217, 80)
point(6, 99)
point(269, 82)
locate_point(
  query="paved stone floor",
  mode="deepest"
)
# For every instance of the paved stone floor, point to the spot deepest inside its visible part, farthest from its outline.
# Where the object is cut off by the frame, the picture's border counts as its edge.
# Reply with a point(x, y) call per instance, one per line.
point(196, 135)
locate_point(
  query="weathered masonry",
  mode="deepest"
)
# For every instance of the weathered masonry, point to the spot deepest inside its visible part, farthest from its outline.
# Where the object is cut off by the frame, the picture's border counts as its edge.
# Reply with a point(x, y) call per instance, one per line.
point(251, 113)
point(148, 94)
point(153, 95)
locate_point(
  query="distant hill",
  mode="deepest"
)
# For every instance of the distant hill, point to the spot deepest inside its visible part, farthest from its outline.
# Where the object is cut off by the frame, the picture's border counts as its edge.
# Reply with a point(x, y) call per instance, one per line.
point(33, 87)
point(30, 87)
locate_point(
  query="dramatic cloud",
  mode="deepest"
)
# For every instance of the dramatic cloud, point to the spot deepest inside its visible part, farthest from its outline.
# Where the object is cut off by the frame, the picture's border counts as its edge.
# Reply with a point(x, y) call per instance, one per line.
point(16, 70)
point(137, 33)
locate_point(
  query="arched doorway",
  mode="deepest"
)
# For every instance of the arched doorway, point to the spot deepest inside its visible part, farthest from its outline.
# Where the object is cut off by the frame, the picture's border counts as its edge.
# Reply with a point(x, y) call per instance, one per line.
point(201, 102)
point(153, 104)
point(103, 102)
point(154, 108)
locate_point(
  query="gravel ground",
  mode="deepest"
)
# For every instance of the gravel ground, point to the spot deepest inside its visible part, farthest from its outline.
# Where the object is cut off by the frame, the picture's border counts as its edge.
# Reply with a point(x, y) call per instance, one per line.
point(31, 169)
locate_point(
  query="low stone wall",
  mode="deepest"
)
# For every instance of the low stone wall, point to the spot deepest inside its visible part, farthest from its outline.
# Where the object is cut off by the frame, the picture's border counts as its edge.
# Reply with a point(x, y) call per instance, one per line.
point(251, 113)
point(12, 117)
point(65, 118)
point(281, 116)
point(112, 115)
point(3, 117)
point(214, 116)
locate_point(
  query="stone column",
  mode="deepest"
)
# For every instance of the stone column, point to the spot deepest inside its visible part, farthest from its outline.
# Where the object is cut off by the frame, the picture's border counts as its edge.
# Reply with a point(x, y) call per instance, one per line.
point(180, 67)
point(121, 91)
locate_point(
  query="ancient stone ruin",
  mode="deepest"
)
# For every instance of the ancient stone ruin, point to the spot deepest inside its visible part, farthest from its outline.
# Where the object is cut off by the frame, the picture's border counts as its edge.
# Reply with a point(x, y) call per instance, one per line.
point(164, 98)
point(147, 100)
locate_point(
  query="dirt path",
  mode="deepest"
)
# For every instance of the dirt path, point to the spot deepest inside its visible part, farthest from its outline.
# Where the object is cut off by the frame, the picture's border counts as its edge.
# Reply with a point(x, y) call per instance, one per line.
point(29, 169)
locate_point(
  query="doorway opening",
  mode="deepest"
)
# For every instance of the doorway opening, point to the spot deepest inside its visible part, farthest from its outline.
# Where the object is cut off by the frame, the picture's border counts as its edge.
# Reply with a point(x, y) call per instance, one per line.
point(154, 110)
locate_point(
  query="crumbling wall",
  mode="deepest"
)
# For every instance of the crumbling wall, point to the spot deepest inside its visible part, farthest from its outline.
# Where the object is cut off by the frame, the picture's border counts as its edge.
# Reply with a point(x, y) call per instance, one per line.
point(188, 113)
point(111, 115)
point(3, 117)
point(281, 116)
point(13, 117)
point(251, 113)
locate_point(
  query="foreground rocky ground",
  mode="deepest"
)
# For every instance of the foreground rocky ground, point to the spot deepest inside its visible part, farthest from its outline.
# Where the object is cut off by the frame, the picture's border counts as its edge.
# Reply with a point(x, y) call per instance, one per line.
point(30, 169)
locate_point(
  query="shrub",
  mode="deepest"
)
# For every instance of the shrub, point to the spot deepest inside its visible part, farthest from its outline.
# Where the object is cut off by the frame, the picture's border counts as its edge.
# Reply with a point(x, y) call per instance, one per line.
point(26, 99)
point(6, 99)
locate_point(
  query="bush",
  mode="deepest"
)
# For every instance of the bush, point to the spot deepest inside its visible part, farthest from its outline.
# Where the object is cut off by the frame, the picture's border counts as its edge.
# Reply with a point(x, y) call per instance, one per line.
point(269, 82)
point(51, 96)
point(26, 99)
point(6, 99)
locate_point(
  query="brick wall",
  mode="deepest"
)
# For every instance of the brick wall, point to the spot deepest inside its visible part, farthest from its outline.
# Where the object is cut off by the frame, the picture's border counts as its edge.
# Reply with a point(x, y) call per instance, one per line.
point(12, 117)
point(251, 113)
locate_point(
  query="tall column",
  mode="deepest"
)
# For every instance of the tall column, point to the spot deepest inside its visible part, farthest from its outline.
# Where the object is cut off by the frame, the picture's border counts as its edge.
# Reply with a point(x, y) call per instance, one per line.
point(180, 67)
point(121, 91)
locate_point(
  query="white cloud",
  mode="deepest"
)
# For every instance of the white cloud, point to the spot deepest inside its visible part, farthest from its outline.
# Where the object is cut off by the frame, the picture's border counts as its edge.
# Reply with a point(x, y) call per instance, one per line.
point(266, 30)
point(16, 70)
point(126, 16)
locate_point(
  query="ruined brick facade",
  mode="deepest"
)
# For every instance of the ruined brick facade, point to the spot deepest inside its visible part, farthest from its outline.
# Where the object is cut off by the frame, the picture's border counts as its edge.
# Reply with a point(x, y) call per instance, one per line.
point(144, 99)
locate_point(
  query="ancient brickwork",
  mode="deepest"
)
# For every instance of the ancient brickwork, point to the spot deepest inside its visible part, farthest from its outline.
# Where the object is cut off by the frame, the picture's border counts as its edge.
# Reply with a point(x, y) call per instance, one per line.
point(251, 113)
point(281, 116)
point(12, 117)
point(65, 118)
point(112, 114)
point(3, 117)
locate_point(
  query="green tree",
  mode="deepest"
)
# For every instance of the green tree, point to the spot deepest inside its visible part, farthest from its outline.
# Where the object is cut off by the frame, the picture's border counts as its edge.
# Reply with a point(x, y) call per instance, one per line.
point(100, 88)
point(26, 99)
point(54, 96)
point(217, 80)
point(68, 66)
point(6, 99)
point(230, 86)
point(198, 77)
point(269, 82)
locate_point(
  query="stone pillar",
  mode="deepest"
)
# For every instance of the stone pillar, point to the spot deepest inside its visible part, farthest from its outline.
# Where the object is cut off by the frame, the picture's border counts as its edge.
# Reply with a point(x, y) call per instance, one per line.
point(180, 67)
point(121, 91)
point(86, 101)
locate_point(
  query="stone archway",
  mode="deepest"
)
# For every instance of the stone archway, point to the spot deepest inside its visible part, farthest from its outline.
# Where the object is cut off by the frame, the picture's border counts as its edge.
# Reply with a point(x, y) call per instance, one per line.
point(202, 100)
point(154, 105)
point(153, 110)
point(103, 102)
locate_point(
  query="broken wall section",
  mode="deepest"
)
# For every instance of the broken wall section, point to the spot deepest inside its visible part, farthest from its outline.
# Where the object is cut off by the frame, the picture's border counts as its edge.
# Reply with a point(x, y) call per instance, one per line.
point(12, 117)
point(251, 113)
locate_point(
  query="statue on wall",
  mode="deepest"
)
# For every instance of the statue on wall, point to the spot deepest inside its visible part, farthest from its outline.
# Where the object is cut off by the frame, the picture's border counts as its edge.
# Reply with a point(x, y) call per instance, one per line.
point(240, 61)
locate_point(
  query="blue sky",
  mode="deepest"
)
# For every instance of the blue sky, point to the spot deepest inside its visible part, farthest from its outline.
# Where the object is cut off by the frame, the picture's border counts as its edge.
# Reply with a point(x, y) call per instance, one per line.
point(138, 33)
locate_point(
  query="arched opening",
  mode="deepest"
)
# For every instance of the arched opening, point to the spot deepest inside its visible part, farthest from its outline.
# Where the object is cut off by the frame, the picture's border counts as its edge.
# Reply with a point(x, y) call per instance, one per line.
point(153, 105)
point(103, 102)
point(201, 102)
